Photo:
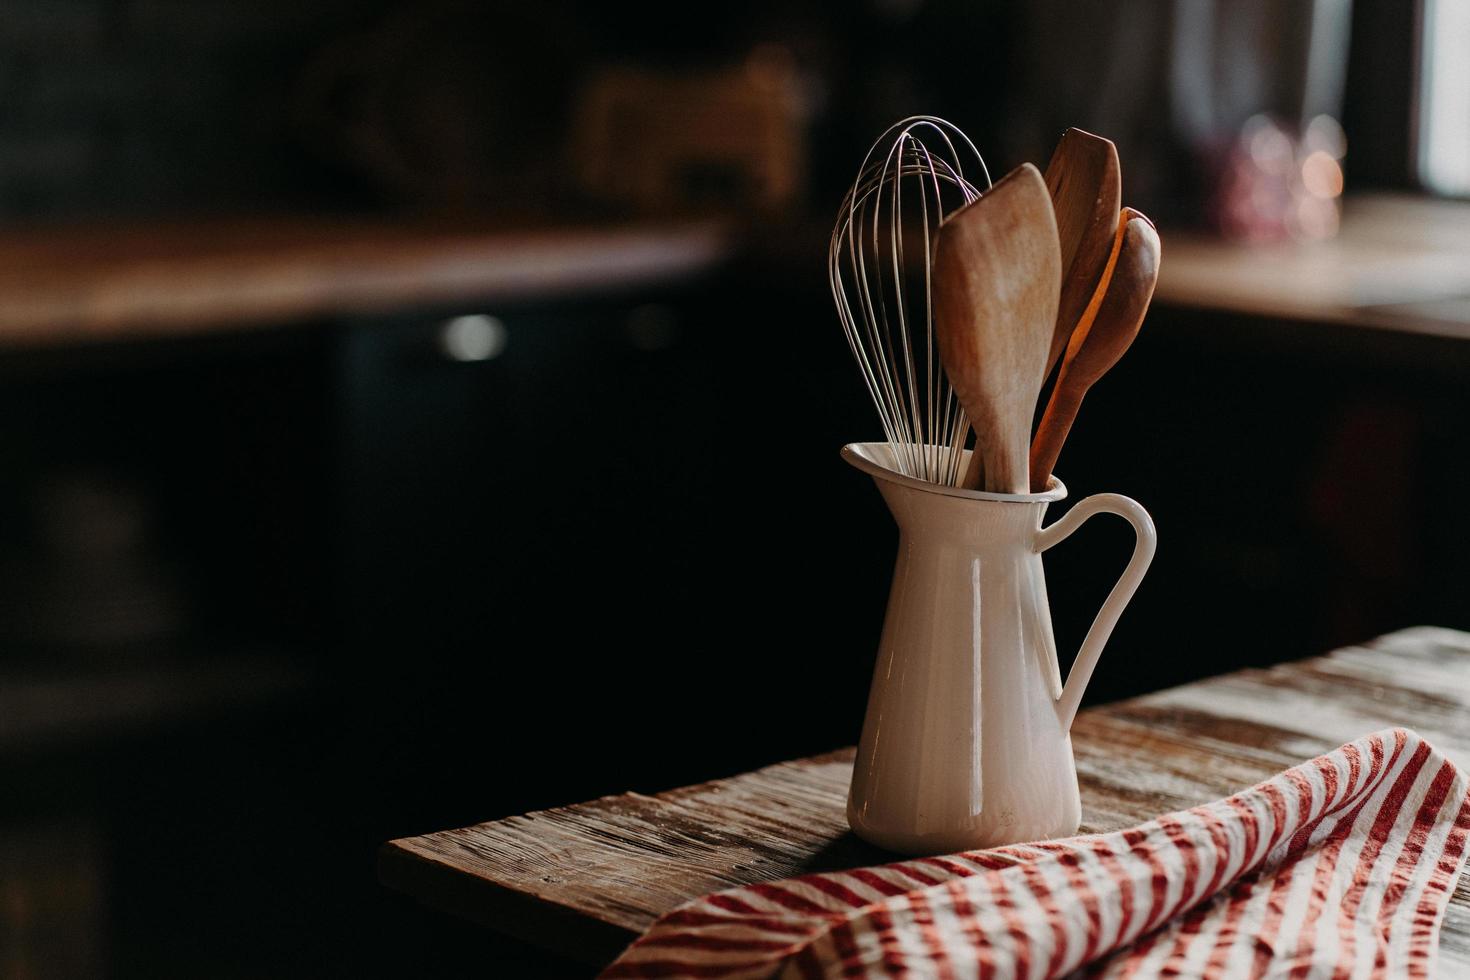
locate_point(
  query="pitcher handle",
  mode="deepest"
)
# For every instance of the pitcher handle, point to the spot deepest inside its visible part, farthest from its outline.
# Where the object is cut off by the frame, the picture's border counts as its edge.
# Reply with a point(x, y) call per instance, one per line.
point(1107, 617)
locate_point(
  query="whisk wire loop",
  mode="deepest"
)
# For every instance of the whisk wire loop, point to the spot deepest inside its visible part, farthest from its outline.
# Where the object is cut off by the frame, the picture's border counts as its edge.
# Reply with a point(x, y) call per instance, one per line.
point(884, 302)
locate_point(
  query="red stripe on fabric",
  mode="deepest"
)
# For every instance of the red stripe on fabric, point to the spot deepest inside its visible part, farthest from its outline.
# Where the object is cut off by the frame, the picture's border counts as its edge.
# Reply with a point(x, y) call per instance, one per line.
point(1033, 877)
point(1303, 835)
point(1285, 874)
point(1365, 779)
point(1382, 822)
point(1231, 929)
point(1014, 923)
point(730, 903)
point(877, 882)
point(1436, 893)
point(989, 860)
point(882, 923)
point(937, 955)
point(1330, 849)
point(1184, 844)
point(1135, 839)
point(1134, 957)
point(1352, 897)
point(1092, 901)
point(1249, 822)
point(791, 900)
point(1159, 892)
point(1327, 869)
point(1413, 849)
point(1159, 909)
point(648, 969)
point(1214, 825)
point(953, 867)
point(809, 964)
point(721, 944)
point(969, 918)
point(1355, 773)
point(1326, 858)
point(693, 917)
point(1190, 929)
point(1127, 905)
point(833, 888)
point(845, 944)
point(909, 871)
point(1080, 886)
point(1225, 855)
point(1324, 875)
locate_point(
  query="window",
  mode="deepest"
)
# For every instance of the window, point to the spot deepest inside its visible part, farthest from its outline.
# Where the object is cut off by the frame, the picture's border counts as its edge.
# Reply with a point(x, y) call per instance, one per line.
point(1444, 97)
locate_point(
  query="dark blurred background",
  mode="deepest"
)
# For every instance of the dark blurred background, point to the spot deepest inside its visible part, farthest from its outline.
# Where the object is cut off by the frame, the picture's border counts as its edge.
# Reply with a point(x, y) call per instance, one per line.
point(417, 413)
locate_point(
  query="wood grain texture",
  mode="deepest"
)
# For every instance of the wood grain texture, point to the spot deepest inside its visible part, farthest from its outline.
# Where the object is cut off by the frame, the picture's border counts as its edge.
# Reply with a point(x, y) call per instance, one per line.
point(97, 283)
point(1102, 336)
point(1085, 181)
point(997, 266)
point(586, 879)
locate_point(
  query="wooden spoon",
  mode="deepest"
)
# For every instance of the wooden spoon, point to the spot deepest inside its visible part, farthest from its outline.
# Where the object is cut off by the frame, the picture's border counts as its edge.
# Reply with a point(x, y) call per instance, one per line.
point(996, 272)
point(1085, 183)
point(1107, 329)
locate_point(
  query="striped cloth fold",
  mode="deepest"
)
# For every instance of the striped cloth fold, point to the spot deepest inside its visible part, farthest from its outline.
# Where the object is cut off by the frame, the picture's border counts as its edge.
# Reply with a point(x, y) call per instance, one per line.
point(1340, 867)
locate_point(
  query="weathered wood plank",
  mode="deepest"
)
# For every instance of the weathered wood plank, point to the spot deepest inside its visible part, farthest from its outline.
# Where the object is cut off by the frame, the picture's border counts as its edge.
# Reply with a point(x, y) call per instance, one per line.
point(586, 879)
point(622, 860)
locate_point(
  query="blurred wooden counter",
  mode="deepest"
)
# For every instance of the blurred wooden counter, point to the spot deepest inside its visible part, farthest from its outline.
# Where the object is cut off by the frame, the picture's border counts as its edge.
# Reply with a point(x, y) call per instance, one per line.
point(1399, 263)
point(99, 283)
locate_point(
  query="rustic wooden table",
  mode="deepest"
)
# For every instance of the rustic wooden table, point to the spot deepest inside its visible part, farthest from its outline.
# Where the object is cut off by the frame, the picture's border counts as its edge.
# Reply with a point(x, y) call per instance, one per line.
point(585, 880)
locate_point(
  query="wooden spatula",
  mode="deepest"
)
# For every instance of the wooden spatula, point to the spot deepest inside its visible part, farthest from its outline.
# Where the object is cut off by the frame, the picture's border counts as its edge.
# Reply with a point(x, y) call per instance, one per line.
point(997, 269)
point(1085, 183)
point(1107, 330)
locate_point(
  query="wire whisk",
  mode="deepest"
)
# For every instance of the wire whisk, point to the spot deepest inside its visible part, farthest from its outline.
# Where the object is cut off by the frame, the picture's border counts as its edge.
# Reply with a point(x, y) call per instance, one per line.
point(879, 261)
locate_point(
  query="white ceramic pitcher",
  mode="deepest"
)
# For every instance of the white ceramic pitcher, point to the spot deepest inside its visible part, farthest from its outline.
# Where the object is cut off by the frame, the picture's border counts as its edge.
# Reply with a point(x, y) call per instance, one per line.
point(966, 742)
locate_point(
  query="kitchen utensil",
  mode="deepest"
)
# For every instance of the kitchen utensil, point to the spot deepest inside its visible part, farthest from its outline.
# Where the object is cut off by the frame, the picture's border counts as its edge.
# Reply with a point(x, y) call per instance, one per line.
point(1107, 331)
point(879, 264)
point(965, 742)
point(996, 271)
point(1085, 183)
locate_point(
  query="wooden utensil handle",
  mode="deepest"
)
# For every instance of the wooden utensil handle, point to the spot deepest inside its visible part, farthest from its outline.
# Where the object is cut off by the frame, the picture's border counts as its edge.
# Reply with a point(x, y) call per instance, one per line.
point(1051, 434)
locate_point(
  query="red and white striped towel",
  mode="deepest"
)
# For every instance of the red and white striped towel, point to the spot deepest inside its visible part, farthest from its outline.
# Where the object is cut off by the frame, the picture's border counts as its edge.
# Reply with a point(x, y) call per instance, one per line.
point(1340, 867)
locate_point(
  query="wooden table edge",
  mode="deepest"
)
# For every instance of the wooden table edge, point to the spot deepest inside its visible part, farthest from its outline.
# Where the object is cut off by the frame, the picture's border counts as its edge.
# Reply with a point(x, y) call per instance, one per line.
point(503, 910)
